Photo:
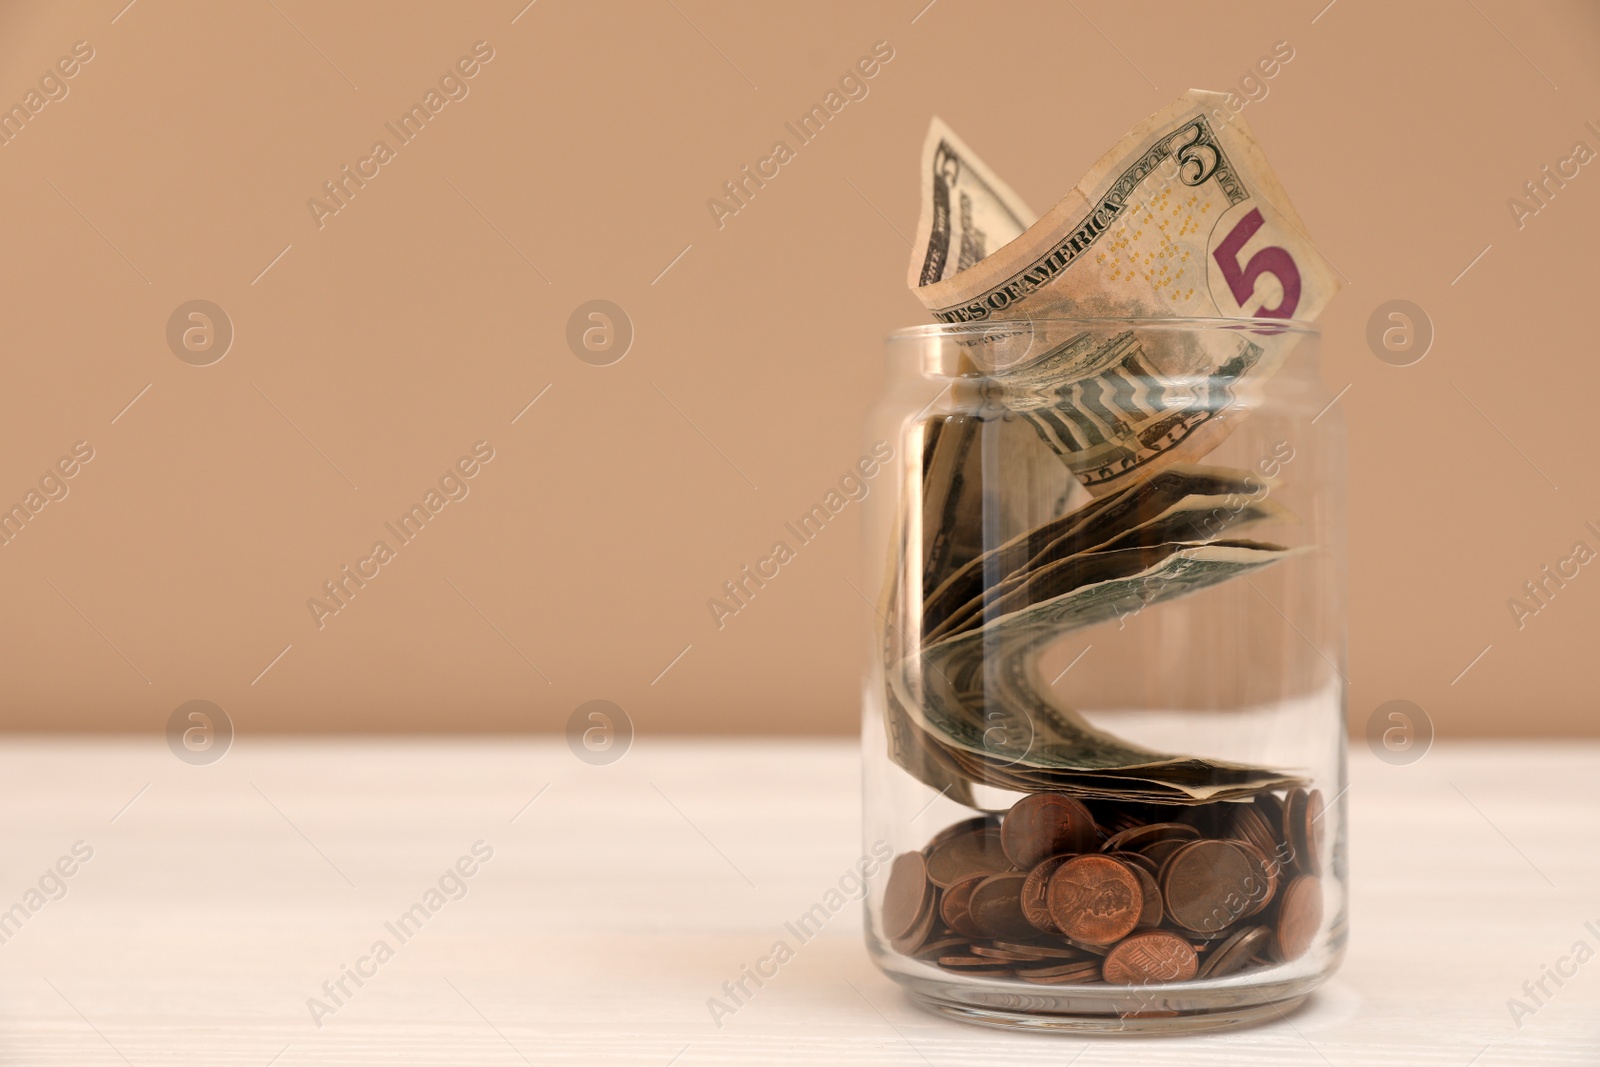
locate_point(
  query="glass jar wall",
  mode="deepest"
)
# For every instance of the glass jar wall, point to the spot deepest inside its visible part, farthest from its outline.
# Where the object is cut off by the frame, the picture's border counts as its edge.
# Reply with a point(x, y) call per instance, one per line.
point(1104, 711)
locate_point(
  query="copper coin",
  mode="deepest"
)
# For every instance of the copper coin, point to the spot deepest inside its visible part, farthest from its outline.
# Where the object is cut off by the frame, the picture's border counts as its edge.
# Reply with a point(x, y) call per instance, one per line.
point(1035, 894)
point(1002, 954)
point(1235, 954)
point(997, 906)
point(906, 895)
point(964, 855)
point(1121, 820)
point(1158, 852)
point(1248, 825)
point(1086, 947)
point(944, 946)
point(1263, 883)
point(1151, 913)
point(1045, 824)
point(1153, 956)
point(1298, 918)
point(1043, 952)
point(1294, 829)
point(1136, 839)
point(1271, 807)
point(1061, 970)
point(1205, 885)
point(1095, 899)
point(1136, 859)
point(955, 906)
point(1083, 977)
point(983, 972)
point(956, 829)
point(919, 933)
point(965, 960)
point(1314, 812)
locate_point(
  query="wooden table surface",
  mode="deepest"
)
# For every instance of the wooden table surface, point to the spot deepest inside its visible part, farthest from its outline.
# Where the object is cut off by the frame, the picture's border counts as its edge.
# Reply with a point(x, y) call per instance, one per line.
point(219, 899)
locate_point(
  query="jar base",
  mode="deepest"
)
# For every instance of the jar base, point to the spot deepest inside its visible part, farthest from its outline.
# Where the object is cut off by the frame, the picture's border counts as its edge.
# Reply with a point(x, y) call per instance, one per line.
point(1065, 1014)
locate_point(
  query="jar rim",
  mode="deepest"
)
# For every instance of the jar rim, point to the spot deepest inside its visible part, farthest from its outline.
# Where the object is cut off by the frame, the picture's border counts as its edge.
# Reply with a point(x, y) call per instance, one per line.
point(934, 330)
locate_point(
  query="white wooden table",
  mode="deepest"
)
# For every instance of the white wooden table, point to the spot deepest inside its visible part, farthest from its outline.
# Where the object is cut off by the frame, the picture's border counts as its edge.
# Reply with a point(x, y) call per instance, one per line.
point(221, 899)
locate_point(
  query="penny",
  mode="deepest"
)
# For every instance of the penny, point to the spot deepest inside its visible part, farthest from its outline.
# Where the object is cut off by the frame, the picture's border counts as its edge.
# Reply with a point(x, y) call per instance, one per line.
point(919, 934)
point(1314, 813)
point(1044, 824)
point(1158, 852)
point(1235, 954)
point(1047, 952)
point(1153, 956)
point(1264, 880)
point(1136, 859)
point(1095, 899)
point(955, 906)
point(1299, 916)
point(1002, 954)
point(1248, 825)
point(1078, 969)
point(964, 855)
point(1071, 978)
point(906, 895)
point(984, 972)
point(1152, 912)
point(944, 946)
point(1206, 885)
point(1087, 946)
point(1136, 839)
point(956, 829)
point(965, 961)
point(997, 906)
point(1035, 899)
point(1294, 829)
point(1271, 808)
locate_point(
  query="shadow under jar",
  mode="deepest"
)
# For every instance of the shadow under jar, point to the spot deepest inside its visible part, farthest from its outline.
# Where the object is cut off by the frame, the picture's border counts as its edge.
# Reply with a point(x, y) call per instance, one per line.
point(1104, 711)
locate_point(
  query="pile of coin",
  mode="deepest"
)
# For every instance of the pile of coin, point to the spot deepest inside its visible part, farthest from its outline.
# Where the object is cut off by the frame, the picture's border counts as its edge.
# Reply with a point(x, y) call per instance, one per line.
point(1059, 891)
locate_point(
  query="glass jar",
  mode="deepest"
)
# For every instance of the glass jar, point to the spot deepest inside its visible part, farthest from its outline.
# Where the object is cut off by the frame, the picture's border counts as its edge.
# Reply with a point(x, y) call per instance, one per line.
point(1104, 728)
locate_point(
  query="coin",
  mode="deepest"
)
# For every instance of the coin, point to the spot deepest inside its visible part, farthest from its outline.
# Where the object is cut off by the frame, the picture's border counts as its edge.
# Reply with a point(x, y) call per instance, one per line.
point(1136, 859)
point(1073, 978)
point(1314, 813)
point(1158, 851)
point(1248, 825)
point(997, 906)
point(1138, 837)
point(1294, 829)
point(944, 946)
point(956, 829)
point(1044, 824)
point(1087, 947)
point(955, 906)
point(1048, 952)
point(906, 895)
point(1264, 881)
point(1153, 956)
point(1095, 899)
point(1001, 971)
point(1081, 968)
point(1299, 916)
point(1235, 953)
point(1035, 894)
point(920, 932)
point(1206, 885)
point(1002, 954)
point(1152, 912)
point(964, 855)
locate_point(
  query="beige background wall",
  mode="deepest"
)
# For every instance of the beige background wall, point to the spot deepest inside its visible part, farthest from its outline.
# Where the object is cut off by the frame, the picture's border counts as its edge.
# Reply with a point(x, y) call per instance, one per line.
point(372, 351)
